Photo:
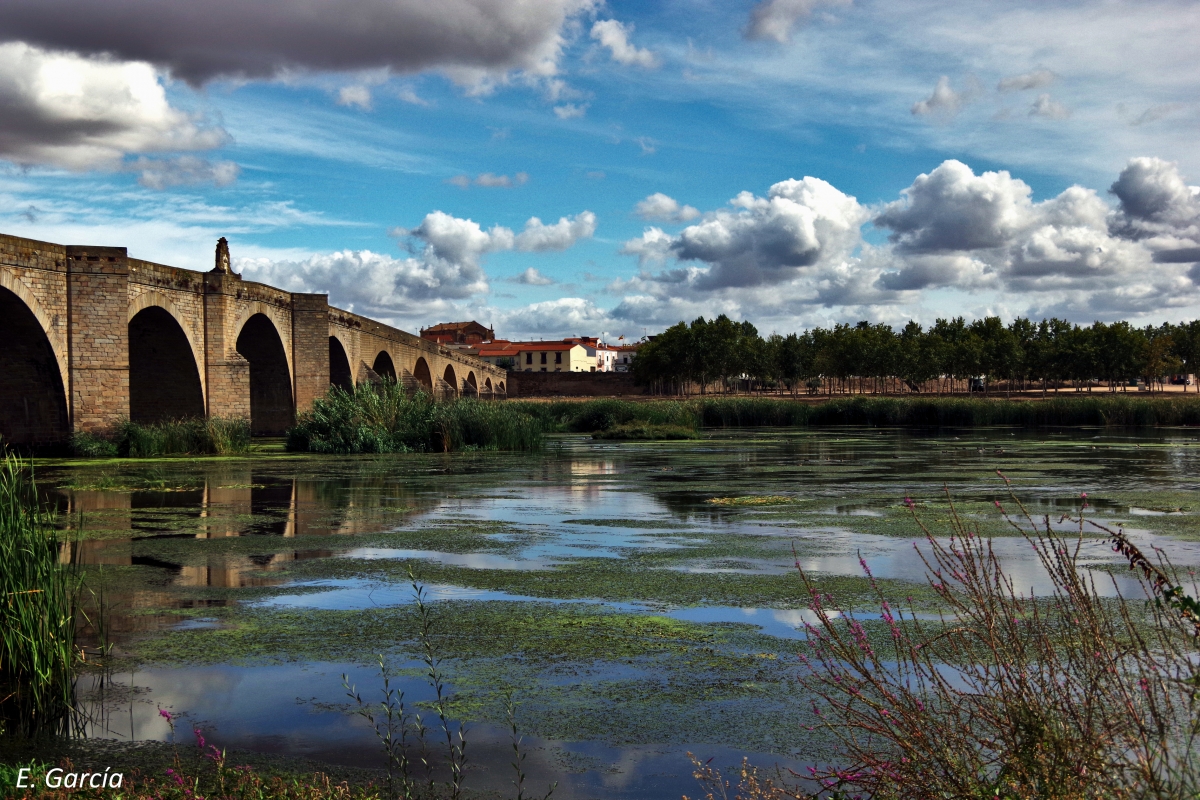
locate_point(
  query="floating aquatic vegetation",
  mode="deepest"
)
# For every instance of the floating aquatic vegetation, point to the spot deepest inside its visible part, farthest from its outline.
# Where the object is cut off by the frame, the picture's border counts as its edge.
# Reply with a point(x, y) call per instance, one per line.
point(753, 500)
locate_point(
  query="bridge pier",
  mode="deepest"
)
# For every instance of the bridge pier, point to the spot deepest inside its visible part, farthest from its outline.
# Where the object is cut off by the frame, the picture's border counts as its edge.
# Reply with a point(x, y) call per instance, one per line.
point(97, 281)
point(227, 372)
point(310, 348)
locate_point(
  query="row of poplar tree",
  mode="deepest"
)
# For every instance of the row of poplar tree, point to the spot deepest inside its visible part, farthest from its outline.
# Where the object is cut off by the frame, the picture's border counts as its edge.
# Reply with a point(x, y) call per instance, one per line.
point(951, 355)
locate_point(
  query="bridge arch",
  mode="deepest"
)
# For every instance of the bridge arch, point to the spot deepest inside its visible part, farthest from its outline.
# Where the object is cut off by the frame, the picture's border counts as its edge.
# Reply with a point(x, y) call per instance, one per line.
point(500, 388)
point(33, 398)
point(164, 376)
point(487, 383)
point(450, 378)
point(339, 365)
point(421, 372)
point(149, 299)
point(279, 318)
point(14, 284)
point(473, 382)
point(383, 365)
point(272, 410)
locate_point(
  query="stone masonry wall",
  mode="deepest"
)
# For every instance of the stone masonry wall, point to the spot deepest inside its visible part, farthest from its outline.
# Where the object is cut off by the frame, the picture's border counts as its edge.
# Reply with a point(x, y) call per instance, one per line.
point(228, 372)
point(98, 347)
point(310, 343)
point(572, 384)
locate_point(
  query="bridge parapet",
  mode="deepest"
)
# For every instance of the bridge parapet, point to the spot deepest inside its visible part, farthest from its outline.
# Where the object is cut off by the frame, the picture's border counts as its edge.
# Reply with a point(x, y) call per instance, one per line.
point(371, 347)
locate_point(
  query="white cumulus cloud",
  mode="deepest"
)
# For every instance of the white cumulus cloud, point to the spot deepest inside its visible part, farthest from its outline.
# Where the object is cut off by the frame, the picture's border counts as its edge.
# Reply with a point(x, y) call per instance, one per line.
point(374, 284)
point(531, 277)
point(953, 223)
point(765, 240)
point(797, 257)
point(659, 206)
point(538, 237)
point(615, 36)
point(1155, 200)
point(77, 112)
point(565, 316)
point(444, 269)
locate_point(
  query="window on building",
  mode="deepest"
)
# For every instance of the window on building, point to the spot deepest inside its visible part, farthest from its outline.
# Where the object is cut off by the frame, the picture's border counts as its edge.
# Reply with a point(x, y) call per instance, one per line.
point(529, 358)
point(543, 359)
point(558, 358)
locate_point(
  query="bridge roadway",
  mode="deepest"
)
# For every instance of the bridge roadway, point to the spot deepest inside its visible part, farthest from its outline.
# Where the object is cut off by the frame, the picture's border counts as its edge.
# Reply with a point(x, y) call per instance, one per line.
point(90, 336)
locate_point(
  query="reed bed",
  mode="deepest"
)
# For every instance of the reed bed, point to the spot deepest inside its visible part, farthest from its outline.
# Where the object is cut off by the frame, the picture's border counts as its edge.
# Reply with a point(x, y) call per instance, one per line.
point(566, 416)
point(732, 412)
point(1069, 695)
point(383, 418)
point(211, 436)
point(38, 601)
point(194, 436)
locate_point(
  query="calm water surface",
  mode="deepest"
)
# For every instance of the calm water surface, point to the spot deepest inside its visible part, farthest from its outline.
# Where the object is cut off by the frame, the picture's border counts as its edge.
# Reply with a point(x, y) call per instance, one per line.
point(696, 536)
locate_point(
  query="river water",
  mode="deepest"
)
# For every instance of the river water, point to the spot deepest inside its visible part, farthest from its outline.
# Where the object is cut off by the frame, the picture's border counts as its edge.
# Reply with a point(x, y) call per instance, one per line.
point(639, 600)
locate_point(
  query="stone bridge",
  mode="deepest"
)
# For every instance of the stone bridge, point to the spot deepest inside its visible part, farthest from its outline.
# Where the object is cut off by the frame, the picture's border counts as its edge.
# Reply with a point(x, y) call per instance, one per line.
point(90, 336)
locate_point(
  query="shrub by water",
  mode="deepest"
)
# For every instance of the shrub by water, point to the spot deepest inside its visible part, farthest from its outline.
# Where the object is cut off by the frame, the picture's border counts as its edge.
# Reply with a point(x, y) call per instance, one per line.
point(383, 418)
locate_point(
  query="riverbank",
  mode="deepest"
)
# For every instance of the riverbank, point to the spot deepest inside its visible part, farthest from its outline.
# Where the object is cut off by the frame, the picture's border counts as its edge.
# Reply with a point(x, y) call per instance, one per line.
point(1104, 410)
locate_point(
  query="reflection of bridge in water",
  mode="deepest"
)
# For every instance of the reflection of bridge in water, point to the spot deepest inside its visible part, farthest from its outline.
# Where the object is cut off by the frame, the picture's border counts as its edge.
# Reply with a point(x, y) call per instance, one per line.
point(91, 336)
point(230, 505)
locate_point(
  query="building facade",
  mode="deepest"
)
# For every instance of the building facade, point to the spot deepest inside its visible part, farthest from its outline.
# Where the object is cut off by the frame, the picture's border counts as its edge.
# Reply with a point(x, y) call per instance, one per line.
point(623, 357)
point(462, 333)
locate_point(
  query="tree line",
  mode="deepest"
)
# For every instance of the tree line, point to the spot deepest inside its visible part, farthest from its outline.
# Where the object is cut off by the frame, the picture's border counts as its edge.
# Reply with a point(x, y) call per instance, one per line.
point(948, 356)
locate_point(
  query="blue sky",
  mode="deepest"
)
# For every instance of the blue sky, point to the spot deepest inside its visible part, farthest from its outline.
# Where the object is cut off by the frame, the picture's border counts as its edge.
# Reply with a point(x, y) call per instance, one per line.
point(562, 167)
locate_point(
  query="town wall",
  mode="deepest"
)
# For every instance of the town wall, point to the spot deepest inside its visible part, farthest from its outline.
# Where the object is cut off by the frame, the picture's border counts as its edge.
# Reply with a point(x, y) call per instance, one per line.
point(572, 384)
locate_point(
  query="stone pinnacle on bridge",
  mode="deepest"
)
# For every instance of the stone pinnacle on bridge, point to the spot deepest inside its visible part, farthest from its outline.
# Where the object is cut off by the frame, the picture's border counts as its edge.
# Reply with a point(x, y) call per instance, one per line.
point(223, 257)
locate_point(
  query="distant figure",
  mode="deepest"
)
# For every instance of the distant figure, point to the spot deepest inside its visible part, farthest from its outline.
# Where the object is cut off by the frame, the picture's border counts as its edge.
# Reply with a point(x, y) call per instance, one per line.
point(223, 256)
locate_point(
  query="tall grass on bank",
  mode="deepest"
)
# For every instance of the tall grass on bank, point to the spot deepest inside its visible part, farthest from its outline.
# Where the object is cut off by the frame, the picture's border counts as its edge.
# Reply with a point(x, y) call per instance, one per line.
point(194, 436)
point(589, 416)
point(38, 600)
point(382, 418)
point(1064, 696)
point(1068, 695)
point(731, 412)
